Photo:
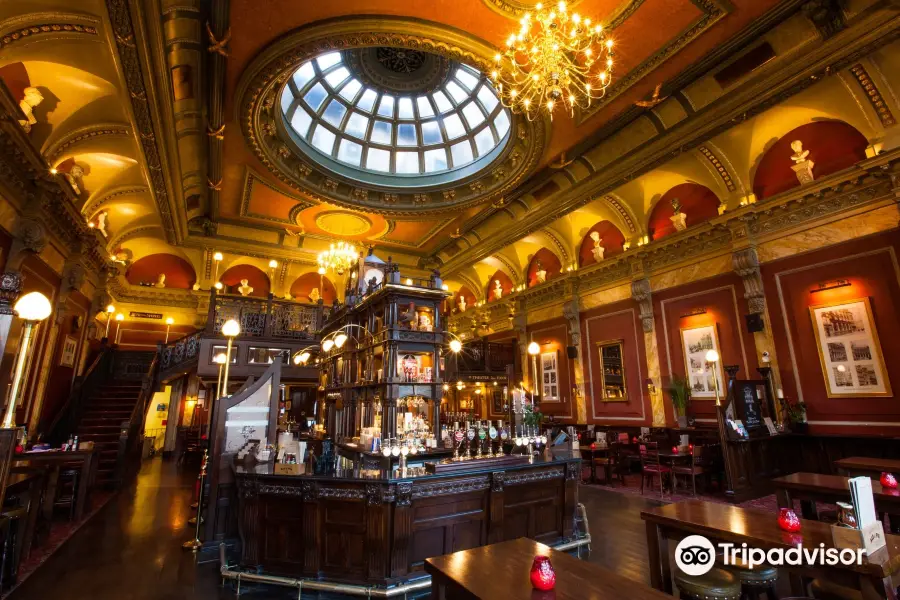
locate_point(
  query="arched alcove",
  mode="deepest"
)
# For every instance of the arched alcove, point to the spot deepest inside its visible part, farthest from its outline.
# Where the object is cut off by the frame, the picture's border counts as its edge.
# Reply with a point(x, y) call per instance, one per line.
point(303, 286)
point(179, 272)
point(548, 263)
point(832, 145)
point(506, 285)
point(611, 240)
point(698, 203)
point(256, 279)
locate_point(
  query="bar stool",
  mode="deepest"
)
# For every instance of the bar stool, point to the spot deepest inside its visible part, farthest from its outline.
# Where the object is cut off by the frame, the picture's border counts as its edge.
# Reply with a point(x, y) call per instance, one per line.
point(14, 519)
point(759, 580)
point(822, 589)
point(717, 584)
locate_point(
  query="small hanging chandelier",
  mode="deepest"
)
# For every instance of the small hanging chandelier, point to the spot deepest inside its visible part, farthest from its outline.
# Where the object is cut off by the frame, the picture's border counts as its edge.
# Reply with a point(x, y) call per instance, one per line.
point(555, 59)
point(338, 258)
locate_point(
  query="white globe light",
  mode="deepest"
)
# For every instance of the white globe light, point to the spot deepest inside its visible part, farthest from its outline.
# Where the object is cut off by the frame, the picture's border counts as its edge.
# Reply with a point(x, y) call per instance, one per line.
point(231, 328)
point(327, 345)
point(533, 348)
point(304, 357)
point(120, 317)
point(340, 339)
point(218, 256)
point(712, 356)
point(455, 346)
point(273, 263)
point(218, 285)
point(170, 321)
point(220, 358)
point(33, 306)
point(110, 309)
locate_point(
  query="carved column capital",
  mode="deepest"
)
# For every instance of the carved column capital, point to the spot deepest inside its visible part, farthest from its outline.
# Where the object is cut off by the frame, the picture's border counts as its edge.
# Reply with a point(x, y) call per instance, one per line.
point(572, 313)
point(640, 291)
point(10, 288)
point(746, 264)
point(497, 479)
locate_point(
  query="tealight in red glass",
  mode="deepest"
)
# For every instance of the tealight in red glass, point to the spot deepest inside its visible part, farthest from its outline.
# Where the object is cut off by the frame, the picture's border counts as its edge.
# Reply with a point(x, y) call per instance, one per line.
point(543, 577)
point(888, 480)
point(788, 520)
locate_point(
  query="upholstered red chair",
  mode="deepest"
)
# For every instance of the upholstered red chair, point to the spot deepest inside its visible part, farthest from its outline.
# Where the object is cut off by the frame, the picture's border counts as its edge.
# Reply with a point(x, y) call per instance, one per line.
point(651, 467)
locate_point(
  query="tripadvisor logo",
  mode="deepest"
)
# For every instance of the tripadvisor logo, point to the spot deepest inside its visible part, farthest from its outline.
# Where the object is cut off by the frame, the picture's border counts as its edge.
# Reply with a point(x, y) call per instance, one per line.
point(695, 555)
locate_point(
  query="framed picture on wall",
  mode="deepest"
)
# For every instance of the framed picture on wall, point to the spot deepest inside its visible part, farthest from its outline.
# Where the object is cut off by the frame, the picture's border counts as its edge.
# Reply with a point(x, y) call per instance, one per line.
point(701, 374)
point(67, 359)
point(849, 351)
point(550, 377)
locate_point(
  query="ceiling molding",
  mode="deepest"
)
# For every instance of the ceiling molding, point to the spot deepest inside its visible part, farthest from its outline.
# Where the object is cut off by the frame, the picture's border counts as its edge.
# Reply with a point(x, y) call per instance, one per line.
point(708, 154)
point(93, 206)
point(47, 26)
point(83, 134)
point(251, 179)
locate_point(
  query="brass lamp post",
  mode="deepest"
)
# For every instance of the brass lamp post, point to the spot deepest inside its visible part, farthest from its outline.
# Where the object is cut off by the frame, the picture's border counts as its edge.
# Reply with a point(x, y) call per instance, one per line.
point(712, 357)
point(169, 323)
point(534, 349)
point(219, 360)
point(230, 329)
point(109, 311)
point(31, 308)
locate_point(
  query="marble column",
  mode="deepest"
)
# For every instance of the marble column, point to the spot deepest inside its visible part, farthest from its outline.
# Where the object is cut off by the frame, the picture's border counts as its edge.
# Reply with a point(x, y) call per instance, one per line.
point(640, 291)
point(572, 313)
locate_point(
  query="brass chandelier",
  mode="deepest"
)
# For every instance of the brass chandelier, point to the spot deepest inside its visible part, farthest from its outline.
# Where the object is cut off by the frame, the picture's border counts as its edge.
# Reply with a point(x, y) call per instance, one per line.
point(556, 58)
point(338, 258)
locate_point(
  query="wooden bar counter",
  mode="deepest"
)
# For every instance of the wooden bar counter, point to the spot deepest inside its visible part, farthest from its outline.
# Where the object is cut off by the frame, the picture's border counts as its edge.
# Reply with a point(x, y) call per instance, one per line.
point(369, 528)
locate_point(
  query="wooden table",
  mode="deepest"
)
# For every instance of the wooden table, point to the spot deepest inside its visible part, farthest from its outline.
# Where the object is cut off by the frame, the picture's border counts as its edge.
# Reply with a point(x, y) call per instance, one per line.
point(812, 487)
point(862, 465)
point(502, 571)
point(759, 529)
point(56, 460)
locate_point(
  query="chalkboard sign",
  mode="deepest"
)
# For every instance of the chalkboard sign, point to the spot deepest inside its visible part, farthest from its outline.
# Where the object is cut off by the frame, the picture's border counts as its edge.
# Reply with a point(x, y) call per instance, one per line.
point(752, 416)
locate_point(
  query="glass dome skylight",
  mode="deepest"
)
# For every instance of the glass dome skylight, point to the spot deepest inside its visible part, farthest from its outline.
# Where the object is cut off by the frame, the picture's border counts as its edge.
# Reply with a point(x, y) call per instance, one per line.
point(370, 133)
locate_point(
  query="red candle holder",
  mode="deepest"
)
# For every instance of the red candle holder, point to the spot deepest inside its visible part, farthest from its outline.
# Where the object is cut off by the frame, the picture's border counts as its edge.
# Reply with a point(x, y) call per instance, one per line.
point(593, 446)
point(788, 520)
point(543, 577)
point(888, 480)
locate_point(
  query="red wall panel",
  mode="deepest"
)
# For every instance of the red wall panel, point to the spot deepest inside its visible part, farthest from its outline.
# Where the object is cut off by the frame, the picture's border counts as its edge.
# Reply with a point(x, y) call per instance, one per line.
point(871, 268)
point(552, 336)
point(619, 321)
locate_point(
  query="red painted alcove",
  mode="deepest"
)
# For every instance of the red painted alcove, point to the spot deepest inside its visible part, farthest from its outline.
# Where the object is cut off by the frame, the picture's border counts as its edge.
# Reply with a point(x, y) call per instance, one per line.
point(610, 238)
point(506, 285)
point(466, 293)
point(15, 76)
point(256, 279)
point(698, 202)
point(549, 262)
point(304, 284)
point(833, 146)
point(179, 272)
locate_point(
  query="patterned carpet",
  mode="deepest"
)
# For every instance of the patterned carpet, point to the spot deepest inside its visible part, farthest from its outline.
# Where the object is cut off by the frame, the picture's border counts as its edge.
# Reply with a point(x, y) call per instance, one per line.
point(60, 531)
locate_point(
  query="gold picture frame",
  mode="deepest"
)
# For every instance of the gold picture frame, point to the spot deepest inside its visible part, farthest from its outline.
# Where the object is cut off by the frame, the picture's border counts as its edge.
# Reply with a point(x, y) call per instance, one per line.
point(695, 343)
point(846, 332)
point(614, 377)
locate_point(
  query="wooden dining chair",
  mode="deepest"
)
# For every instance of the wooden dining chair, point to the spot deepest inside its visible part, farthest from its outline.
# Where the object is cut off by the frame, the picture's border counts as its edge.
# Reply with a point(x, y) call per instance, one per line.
point(612, 465)
point(693, 469)
point(651, 467)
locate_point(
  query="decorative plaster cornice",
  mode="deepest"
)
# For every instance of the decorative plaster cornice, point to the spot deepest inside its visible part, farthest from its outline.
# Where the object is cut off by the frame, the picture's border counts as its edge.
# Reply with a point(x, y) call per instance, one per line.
point(46, 26)
point(90, 208)
point(83, 134)
point(251, 179)
point(723, 173)
point(875, 98)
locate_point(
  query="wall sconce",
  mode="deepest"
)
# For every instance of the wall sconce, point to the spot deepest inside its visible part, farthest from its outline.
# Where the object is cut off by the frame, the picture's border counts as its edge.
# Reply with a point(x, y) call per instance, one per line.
point(651, 387)
point(830, 285)
point(693, 313)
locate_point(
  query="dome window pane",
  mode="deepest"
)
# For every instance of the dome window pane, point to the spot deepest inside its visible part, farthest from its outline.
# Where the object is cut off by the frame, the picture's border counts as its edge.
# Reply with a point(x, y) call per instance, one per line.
point(350, 152)
point(405, 108)
point(337, 77)
point(349, 91)
point(303, 75)
point(323, 139)
point(386, 107)
point(381, 133)
point(484, 141)
point(431, 133)
point(441, 101)
point(301, 121)
point(378, 160)
point(286, 101)
point(454, 126)
point(488, 98)
point(367, 101)
point(457, 92)
point(407, 162)
point(328, 60)
point(315, 97)
point(473, 114)
point(462, 154)
point(406, 135)
point(501, 122)
point(467, 80)
point(357, 125)
point(424, 105)
point(435, 160)
point(335, 112)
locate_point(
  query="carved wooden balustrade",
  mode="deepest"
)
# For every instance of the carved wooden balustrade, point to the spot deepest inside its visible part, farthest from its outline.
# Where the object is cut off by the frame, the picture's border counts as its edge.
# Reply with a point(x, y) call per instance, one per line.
point(265, 317)
point(180, 352)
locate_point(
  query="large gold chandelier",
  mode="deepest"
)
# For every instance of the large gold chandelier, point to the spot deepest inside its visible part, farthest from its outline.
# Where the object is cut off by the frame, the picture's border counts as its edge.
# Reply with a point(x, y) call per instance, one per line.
point(556, 58)
point(338, 258)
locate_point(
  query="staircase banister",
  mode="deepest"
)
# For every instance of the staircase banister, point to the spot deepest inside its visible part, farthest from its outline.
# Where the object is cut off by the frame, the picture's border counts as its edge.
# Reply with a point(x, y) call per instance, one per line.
point(79, 383)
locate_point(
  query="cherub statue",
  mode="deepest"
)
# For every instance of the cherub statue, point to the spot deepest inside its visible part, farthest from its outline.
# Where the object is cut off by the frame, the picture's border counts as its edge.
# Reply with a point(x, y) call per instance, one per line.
point(597, 250)
point(161, 280)
point(799, 153)
point(314, 295)
point(540, 275)
point(497, 292)
point(245, 288)
point(32, 98)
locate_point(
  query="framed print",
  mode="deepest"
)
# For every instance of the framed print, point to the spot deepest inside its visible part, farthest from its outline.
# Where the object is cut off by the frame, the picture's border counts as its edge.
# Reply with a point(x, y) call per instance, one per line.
point(612, 370)
point(549, 377)
point(67, 359)
point(702, 375)
point(849, 351)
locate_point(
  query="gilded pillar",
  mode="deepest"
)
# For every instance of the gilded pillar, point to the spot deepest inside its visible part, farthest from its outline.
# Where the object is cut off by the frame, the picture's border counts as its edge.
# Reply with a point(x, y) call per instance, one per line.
point(572, 313)
point(640, 291)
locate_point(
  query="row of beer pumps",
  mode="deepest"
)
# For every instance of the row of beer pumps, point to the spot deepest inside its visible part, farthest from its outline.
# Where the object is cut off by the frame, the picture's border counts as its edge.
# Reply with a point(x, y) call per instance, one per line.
point(483, 439)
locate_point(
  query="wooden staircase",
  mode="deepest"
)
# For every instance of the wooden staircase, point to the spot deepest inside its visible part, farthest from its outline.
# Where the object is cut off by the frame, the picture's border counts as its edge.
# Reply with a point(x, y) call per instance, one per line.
point(105, 411)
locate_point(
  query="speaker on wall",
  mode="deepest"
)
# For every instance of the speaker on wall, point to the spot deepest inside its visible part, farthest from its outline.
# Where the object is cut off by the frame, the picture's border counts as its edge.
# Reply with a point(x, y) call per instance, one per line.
point(754, 323)
point(572, 352)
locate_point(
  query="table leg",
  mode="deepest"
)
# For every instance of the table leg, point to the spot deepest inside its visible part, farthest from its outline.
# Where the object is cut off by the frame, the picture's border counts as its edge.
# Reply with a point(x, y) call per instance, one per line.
point(783, 497)
point(83, 485)
point(658, 556)
point(50, 495)
point(808, 510)
point(607, 470)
